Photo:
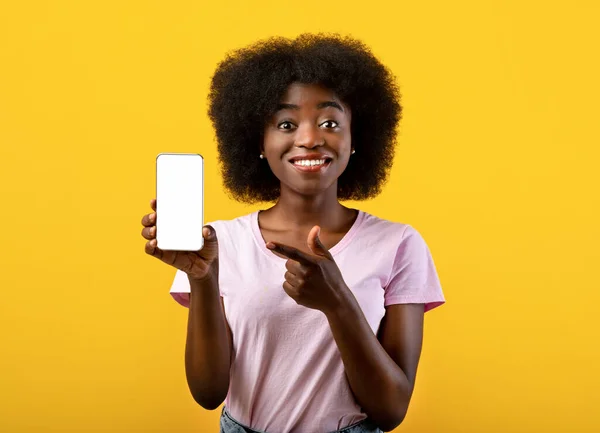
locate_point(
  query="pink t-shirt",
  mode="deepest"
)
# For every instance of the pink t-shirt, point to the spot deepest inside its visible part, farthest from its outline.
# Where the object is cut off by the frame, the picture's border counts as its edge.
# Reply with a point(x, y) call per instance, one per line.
point(287, 373)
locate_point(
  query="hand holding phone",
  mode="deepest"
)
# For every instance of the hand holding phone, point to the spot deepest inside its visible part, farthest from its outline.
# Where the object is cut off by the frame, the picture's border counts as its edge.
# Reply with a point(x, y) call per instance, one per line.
point(198, 265)
point(175, 231)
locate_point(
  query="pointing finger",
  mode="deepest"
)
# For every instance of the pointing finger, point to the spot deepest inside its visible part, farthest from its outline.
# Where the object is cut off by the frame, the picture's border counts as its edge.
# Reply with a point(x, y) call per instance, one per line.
point(290, 253)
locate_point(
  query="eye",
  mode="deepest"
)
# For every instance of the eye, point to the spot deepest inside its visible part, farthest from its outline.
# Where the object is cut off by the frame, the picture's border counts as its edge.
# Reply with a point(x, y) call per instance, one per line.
point(330, 124)
point(288, 126)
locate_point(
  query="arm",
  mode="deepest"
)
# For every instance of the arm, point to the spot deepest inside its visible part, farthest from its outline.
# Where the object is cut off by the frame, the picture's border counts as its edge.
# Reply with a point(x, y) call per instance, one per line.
point(381, 370)
point(209, 344)
point(207, 356)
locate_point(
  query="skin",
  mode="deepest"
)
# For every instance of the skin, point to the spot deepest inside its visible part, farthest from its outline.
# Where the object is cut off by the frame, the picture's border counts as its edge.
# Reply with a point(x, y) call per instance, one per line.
point(207, 359)
point(302, 226)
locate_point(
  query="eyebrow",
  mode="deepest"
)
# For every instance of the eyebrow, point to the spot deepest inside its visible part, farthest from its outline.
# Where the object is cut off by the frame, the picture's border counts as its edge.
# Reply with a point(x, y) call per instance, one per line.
point(319, 106)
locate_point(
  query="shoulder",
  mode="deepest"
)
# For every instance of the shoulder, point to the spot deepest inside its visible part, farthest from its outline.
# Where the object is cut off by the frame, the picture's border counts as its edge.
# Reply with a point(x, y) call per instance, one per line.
point(390, 237)
point(412, 274)
point(373, 225)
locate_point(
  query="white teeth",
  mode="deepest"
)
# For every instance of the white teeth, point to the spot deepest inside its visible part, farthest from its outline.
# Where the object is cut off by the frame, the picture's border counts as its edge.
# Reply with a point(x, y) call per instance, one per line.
point(309, 162)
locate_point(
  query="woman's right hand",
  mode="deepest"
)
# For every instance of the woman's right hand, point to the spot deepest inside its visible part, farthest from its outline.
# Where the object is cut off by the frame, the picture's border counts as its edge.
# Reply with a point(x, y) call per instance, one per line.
point(197, 264)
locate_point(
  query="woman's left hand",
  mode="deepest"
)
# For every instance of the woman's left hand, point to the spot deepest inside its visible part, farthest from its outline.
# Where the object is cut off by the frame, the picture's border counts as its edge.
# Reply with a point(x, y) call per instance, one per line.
point(313, 280)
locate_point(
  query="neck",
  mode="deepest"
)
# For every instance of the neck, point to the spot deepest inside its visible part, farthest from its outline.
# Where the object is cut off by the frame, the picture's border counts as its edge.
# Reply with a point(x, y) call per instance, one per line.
point(304, 211)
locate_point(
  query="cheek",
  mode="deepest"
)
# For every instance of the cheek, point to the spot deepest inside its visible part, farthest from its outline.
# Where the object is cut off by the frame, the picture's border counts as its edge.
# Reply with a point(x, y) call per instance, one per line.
point(344, 151)
point(342, 164)
point(276, 166)
point(275, 144)
point(274, 148)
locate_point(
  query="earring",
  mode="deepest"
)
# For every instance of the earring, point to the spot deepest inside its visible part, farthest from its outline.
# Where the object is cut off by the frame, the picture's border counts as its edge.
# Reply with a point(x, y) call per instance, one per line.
point(353, 151)
point(262, 156)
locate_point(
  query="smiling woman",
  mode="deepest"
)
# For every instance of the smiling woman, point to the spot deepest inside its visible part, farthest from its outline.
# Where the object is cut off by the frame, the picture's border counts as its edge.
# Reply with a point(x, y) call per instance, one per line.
point(306, 316)
point(307, 142)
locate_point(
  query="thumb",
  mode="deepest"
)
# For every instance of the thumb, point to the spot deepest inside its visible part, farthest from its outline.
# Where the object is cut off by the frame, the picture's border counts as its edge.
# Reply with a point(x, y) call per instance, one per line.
point(209, 234)
point(315, 244)
point(210, 250)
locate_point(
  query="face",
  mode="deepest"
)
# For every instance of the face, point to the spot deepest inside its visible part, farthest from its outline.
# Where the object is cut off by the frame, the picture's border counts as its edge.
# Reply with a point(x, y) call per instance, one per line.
point(307, 142)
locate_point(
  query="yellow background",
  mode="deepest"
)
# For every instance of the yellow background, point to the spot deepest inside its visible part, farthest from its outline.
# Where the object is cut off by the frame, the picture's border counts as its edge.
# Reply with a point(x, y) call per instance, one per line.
point(497, 167)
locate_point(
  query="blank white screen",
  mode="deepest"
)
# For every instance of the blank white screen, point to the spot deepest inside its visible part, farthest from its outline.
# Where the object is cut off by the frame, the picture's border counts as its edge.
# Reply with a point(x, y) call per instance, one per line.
point(179, 201)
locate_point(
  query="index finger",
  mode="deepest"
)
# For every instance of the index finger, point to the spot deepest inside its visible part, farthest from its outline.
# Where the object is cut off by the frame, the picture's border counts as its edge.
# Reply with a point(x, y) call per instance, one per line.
point(153, 204)
point(290, 252)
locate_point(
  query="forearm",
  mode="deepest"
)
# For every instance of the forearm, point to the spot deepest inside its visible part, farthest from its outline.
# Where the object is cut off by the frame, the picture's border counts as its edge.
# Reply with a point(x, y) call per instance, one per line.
point(207, 351)
point(379, 385)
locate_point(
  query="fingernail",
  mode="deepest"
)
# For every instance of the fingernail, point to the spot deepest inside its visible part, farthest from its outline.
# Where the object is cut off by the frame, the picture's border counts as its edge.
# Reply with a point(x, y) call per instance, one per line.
point(270, 245)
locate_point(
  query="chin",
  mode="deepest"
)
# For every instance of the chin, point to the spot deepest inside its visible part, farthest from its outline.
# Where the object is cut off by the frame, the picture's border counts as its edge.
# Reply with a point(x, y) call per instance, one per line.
point(310, 191)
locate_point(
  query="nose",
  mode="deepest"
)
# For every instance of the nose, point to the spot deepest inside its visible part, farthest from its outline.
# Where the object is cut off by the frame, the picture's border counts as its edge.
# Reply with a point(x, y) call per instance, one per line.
point(308, 136)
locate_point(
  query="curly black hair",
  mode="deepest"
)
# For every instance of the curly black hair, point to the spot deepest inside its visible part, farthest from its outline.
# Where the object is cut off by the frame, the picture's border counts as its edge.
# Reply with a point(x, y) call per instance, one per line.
point(248, 84)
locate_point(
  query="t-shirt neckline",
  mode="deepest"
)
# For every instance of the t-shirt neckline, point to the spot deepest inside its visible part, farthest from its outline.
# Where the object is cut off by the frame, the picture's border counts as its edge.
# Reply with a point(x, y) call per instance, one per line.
point(346, 239)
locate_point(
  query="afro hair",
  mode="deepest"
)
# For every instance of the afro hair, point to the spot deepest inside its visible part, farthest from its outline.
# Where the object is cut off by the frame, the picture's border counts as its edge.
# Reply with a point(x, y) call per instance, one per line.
point(249, 83)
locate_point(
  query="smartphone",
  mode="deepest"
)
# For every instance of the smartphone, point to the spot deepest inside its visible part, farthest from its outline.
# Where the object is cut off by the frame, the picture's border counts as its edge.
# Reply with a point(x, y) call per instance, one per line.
point(179, 201)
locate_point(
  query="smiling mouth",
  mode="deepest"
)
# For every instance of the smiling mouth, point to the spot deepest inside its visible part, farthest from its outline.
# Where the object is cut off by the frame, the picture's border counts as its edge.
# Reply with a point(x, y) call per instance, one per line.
point(311, 165)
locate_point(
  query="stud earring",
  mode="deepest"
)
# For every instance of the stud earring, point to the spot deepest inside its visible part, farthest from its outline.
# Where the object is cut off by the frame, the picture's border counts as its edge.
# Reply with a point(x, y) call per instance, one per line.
point(262, 156)
point(353, 151)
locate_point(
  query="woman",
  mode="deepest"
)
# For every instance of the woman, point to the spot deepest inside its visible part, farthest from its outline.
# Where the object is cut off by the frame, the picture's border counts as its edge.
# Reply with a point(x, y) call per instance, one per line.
point(307, 316)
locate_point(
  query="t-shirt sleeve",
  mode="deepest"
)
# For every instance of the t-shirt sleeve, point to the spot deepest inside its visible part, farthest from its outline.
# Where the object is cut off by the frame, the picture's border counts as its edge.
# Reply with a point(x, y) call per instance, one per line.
point(414, 279)
point(180, 288)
